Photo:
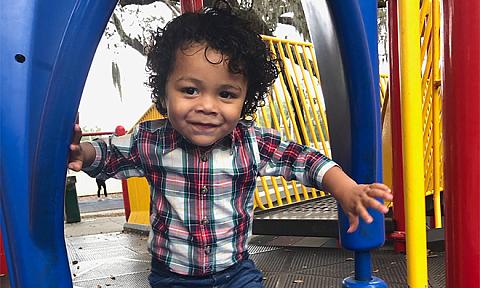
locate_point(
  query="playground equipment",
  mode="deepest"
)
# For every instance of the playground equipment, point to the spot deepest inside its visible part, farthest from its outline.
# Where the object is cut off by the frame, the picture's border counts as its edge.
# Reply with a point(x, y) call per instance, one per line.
point(462, 122)
point(355, 143)
point(43, 75)
point(47, 48)
point(49, 53)
point(355, 132)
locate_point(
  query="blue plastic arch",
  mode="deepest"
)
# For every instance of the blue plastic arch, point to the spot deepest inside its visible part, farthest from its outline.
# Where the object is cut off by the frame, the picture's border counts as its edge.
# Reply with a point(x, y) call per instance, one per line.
point(364, 112)
point(47, 49)
point(358, 45)
point(351, 94)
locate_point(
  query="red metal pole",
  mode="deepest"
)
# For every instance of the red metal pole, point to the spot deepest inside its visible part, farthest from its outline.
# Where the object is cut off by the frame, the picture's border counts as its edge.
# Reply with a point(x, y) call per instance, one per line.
point(397, 157)
point(461, 133)
point(126, 199)
point(97, 133)
point(190, 5)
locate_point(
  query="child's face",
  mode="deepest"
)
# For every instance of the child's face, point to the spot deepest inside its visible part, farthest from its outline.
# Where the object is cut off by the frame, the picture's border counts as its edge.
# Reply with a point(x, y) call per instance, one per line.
point(204, 100)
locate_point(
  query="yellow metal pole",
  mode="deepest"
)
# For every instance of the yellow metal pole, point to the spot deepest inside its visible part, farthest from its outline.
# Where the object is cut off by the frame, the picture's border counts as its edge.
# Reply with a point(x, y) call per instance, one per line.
point(276, 125)
point(320, 105)
point(286, 94)
point(258, 200)
point(411, 107)
point(436, 114)
point(267, 192)
point(312, 101)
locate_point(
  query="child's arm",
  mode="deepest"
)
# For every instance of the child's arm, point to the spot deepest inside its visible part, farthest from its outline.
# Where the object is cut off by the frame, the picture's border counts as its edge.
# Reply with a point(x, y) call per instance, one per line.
point(81, 154)
point(355, 198)
point(119, 158)
point(308, 166)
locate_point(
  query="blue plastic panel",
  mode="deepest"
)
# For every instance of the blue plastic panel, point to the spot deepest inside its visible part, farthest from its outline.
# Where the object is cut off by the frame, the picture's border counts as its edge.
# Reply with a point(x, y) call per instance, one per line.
point(47, 49)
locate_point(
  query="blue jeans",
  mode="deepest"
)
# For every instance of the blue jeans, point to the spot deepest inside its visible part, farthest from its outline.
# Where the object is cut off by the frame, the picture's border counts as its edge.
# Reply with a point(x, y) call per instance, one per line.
point(244, 274)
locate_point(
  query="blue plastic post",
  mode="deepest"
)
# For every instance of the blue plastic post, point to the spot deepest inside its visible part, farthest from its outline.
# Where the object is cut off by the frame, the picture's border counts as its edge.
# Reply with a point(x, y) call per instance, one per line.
point(363, 273)
point(353, 36)
point(47, 49)
point(363, 267)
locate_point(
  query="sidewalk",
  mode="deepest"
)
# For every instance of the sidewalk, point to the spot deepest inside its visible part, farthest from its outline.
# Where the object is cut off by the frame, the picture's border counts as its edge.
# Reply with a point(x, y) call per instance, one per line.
point(98, 216)
point(92, 204)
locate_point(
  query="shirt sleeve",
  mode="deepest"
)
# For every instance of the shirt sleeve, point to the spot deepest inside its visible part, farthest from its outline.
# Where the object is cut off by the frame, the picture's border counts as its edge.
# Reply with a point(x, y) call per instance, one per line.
point(290, 160)
point(117, 157)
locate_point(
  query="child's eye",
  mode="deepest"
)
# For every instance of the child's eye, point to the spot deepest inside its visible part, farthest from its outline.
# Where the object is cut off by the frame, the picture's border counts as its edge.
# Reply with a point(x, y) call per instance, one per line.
point(227, 95)
point(190, 90)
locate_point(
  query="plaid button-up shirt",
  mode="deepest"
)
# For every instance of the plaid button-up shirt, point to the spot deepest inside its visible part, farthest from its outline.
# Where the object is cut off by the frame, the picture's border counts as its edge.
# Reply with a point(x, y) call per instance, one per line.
point(202, 200)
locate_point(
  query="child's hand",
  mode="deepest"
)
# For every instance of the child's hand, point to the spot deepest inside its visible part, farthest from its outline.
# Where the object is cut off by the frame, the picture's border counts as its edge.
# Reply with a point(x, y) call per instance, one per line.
point(75, 158)
point(360, 197)
point(355, 198)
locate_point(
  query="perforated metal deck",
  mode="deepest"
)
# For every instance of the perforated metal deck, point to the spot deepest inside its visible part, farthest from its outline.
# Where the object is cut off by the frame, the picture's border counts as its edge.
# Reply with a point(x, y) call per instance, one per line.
point(316, 218)
point(122, 260)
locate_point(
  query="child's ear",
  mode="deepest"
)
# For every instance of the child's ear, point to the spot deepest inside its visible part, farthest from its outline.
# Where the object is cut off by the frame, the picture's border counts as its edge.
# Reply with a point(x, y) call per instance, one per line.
point(162, 102)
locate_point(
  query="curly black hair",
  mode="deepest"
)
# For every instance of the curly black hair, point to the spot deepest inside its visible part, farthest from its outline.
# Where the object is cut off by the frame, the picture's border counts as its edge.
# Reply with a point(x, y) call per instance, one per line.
point(220, 30)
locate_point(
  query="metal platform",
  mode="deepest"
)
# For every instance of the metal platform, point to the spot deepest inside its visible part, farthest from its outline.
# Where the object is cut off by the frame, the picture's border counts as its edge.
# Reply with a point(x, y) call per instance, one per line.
point(122, 260)
point(316, 218)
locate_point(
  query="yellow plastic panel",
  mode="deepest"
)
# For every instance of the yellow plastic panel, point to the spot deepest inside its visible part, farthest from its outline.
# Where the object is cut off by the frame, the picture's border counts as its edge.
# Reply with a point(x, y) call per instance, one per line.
point(139, 196)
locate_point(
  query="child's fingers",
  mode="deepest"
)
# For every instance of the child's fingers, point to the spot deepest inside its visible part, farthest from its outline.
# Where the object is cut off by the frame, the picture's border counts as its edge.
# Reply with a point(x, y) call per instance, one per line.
point(75, 166)
point(74, 147)
point(380, 193)
point(363, 213)
point(77, 134)
point(380, 186)
point(71, 165)
point(375, 204)
point(353, 220)
point(74, 157)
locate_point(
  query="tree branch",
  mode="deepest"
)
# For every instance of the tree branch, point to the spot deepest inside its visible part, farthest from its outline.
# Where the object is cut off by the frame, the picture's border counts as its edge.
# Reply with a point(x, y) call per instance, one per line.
point(233, 3)
point(133, 42)
point(174, 8)
point(137, 2)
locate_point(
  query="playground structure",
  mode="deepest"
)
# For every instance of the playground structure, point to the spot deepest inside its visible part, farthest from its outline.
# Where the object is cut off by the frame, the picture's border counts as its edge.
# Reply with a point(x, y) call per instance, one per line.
point(36, 209)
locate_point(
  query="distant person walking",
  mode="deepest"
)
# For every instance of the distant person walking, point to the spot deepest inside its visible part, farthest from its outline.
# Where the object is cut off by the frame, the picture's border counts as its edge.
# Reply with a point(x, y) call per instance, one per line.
point(119, 131)
point(100, 184)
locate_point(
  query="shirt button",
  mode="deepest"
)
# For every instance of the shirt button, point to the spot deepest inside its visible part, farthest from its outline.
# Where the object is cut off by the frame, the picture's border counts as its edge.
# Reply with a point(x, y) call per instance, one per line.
point(208, 249)
point(204, 157)
point(204, 190)
point(204, 221)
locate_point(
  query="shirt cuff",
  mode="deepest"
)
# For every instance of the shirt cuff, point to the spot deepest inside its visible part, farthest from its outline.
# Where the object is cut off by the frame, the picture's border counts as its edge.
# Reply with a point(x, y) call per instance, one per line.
point(98, 158)
point(322, 170)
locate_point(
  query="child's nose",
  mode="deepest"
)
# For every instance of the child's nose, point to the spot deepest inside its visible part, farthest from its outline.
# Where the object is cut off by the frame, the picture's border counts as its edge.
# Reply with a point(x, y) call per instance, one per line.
point(208, 104)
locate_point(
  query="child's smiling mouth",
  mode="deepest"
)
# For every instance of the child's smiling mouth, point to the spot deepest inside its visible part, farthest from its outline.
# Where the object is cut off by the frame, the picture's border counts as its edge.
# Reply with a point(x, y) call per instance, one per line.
point(204, 126)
